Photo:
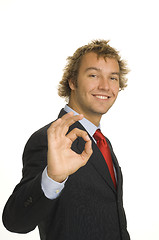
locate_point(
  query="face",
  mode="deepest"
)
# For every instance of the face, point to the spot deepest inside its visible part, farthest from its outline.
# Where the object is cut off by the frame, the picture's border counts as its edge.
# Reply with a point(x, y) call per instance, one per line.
point(97, 87)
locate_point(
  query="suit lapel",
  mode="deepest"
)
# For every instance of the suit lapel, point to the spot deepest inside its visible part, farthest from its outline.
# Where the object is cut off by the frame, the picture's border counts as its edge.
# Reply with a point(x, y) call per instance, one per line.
point(97, 159)
point(99, 163)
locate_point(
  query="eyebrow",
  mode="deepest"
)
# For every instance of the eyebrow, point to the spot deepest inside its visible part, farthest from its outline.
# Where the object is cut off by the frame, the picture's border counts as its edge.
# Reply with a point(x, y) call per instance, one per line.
point(92, 68)
point(115, 73)
point(99, 70)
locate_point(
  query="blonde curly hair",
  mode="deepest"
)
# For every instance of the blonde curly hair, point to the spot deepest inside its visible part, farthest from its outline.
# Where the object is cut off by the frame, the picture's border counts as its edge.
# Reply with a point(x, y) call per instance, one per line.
point(102, 49)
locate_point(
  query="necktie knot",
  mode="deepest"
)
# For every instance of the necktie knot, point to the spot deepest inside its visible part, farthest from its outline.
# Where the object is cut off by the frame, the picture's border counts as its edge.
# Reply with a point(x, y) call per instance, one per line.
point(98, 136)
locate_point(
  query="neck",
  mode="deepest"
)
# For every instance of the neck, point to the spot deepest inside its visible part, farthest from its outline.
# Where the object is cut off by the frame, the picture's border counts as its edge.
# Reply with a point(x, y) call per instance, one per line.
point(93, 118)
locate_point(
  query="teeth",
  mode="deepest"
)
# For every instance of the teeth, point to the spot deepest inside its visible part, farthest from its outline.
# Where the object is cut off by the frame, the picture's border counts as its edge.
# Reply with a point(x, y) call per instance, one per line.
point(102, 97)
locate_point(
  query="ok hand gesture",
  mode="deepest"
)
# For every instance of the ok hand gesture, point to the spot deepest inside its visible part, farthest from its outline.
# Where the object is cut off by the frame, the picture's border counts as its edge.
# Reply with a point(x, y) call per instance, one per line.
point(62, 160)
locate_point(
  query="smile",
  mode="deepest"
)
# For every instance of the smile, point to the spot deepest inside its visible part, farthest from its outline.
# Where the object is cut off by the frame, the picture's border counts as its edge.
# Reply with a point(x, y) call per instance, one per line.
point(101, 97)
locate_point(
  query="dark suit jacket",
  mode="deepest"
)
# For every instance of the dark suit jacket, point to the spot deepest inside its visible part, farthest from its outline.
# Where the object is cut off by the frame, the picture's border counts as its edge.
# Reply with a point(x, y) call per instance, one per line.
point(88, 208)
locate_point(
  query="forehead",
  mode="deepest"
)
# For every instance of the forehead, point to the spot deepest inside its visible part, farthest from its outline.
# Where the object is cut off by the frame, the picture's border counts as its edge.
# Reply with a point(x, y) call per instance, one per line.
point(92, 60)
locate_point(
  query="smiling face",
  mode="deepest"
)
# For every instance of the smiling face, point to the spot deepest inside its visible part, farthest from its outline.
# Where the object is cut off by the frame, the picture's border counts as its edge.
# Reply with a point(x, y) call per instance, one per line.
point(97, 87)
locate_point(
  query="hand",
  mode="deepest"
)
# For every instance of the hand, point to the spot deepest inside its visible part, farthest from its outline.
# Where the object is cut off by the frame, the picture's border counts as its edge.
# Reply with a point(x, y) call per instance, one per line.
point(62, 160)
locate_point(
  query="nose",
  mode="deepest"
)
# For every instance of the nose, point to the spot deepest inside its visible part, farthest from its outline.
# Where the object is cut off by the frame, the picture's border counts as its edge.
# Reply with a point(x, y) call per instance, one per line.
point(104, 83)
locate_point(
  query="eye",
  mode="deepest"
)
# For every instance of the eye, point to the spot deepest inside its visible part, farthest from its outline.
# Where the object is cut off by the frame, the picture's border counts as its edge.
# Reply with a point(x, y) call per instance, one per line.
point(114, 78)
point(93, 75)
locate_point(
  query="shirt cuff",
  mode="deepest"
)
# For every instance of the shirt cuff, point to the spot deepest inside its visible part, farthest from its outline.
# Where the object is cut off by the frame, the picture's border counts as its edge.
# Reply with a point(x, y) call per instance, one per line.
point(51, 188)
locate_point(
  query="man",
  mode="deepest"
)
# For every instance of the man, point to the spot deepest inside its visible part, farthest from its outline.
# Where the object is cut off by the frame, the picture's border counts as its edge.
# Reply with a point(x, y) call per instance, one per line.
point(72, 183)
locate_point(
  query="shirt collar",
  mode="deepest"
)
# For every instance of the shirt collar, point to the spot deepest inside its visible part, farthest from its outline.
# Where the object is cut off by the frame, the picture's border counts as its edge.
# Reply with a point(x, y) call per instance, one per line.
point(89, 126)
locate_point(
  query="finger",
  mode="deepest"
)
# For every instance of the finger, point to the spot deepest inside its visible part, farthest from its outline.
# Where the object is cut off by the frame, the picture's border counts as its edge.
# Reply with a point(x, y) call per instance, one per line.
point(70, 119)
point(87, 152)
point(71, 114)
point(78, 133)
point(64, 119)
point(54, 125)
point(66, 122)
point(67, 115)
point(60, 126)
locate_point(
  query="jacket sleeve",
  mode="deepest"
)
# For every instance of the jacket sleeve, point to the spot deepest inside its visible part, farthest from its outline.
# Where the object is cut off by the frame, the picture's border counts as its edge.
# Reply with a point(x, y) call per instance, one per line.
point(28, 206)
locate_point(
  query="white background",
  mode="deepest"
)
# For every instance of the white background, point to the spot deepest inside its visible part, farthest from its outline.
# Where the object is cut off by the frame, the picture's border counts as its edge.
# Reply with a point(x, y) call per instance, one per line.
point(36, 36)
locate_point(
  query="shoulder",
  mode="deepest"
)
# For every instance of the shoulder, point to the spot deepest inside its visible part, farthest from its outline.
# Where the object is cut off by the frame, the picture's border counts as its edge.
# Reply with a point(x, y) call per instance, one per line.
point(38, 138)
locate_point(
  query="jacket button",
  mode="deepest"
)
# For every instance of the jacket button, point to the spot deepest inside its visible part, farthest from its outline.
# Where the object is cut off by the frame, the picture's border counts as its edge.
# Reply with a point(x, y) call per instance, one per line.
point(28, 202)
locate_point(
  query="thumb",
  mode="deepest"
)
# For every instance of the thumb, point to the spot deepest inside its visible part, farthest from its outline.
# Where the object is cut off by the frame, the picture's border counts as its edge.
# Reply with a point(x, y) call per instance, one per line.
point(87, 152)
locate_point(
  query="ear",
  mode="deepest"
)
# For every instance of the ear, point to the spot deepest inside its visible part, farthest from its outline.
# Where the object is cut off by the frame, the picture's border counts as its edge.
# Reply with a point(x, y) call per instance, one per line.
point(71, 84)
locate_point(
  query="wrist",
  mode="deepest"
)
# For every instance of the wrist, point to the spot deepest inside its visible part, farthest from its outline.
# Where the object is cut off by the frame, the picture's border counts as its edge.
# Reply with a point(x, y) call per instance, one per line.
point(56, 178)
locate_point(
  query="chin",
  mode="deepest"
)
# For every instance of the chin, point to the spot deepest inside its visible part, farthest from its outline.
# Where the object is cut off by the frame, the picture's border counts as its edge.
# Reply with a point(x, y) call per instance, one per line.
point(101, 112)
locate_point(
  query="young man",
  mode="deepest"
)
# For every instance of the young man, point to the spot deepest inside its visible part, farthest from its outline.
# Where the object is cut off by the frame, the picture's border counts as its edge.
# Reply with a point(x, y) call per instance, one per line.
point(72, 183)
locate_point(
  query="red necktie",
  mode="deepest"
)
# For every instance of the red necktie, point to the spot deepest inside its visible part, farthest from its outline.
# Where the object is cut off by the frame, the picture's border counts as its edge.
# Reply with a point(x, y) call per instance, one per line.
point(104, 148)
